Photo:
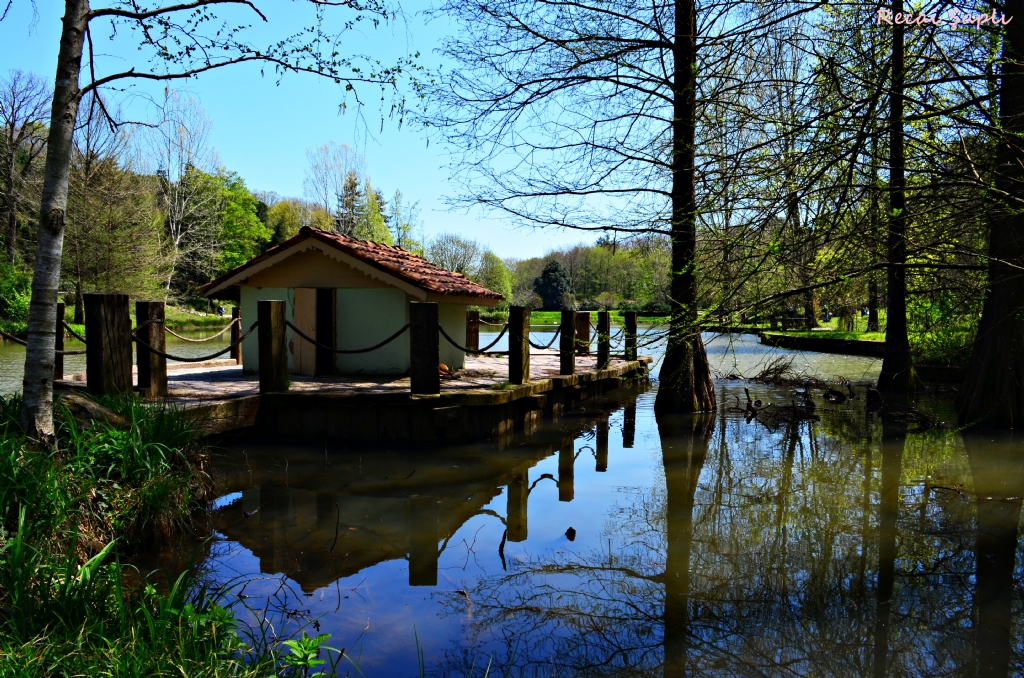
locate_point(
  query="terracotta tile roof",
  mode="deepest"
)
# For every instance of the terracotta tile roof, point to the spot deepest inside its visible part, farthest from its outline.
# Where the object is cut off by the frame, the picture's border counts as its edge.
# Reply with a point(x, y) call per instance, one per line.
point(394, 261)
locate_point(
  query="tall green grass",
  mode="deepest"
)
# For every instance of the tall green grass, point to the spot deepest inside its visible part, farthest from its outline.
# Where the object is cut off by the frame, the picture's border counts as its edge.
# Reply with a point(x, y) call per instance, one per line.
point(68, 515)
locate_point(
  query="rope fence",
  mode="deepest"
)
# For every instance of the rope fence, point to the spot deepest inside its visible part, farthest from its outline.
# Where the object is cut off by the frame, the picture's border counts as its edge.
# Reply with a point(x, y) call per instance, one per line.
point(345, 351)
point(70, 330)
point(200, 359)
point(236, 321)
point(470, 350)
point(550, 343)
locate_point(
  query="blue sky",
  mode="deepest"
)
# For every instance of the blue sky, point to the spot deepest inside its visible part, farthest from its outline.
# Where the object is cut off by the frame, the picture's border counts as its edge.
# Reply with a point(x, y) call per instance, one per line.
point(262, 130)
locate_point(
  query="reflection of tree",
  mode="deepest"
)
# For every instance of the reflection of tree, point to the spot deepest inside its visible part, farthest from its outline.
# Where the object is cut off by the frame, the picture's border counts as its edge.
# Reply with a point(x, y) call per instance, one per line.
point(684, 446)
point(998, 471)
point(894, 435)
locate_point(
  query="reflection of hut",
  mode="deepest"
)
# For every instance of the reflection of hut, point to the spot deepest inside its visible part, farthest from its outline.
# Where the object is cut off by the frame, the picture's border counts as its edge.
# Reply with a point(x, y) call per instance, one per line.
point(349, 294)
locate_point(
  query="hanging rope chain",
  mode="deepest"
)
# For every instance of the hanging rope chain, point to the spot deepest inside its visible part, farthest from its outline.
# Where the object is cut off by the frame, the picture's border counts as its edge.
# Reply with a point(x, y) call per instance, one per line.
point(484, 322)
point(180, 359)
point(471, 351)
point(236, 321)
point(550, 343)
point(344, 351)
point(70, 330)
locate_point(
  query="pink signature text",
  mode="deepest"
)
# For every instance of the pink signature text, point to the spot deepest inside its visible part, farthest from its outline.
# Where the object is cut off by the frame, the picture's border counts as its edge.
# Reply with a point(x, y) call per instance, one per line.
point(955, 18)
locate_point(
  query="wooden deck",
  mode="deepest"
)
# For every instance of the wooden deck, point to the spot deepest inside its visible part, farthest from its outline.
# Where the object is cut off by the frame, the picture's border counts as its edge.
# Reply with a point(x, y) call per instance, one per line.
point(474, 404)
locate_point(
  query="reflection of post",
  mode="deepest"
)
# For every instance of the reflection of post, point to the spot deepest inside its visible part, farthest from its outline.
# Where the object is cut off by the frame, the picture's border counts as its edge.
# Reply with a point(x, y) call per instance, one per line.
point(422, 525)
point(515, 515)
point(602, 445)
point(684, 446)
point(894, 435)
point(998, 483)
point(629, 425)
point(566, 460)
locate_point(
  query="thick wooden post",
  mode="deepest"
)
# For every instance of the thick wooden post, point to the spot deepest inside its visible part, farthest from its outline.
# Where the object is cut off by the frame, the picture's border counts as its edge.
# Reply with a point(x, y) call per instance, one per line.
point(566, 344)
point(108, 358)
point(566, 468)
point(424, 347)
point(630, 330)
point(604, 339)
point(516, 509)
point(273, 345)
point(236, 334)
point(583, 333)
point(473, 330)
point(518, 345)
point(58, 344)
point(152, 367)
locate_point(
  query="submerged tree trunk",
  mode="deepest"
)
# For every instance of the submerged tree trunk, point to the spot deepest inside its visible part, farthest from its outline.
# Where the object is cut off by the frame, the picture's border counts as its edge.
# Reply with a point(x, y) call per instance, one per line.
point(993, 393)
point(37, 407)
point(685, 378)
point(898, 374)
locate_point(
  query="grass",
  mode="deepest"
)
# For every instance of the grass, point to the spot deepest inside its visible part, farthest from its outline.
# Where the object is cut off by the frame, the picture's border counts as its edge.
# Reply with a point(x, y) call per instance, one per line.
point(69, 513)
point(826, 334)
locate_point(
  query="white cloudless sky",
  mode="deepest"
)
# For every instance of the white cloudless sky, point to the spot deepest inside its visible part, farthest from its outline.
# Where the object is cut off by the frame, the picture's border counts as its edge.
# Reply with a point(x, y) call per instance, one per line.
point(261, 130)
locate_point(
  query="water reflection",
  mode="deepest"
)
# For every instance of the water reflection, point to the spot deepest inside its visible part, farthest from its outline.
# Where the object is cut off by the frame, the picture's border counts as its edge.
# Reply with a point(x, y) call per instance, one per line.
point(690, 546)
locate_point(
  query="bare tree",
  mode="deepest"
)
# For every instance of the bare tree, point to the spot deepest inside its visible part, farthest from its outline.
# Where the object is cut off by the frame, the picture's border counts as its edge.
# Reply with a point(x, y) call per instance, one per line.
point(23, 102)
point(180, 145)
point(454, 253)
point(331, 166)
point(175, 41)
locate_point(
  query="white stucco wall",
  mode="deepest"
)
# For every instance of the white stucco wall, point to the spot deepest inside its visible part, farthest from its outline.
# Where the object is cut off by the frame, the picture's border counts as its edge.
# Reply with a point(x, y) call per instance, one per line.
point(368, 316)
point(251, 346)
point(365, 317)
point(453, 319)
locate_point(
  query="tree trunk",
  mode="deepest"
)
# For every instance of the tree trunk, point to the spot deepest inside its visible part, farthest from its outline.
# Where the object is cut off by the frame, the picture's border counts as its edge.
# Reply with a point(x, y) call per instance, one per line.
point(685, 378)
point(993, 393)
point(898, 374)
point(872, 303)
point(37, 407)
point(12, 216)
point(79, 303)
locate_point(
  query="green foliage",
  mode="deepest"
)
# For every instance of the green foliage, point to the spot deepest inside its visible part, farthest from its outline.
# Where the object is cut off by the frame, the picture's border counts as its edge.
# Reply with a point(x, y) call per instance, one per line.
point(552, 286)
point(369, 218)
point(15, 293)
point(494, 275)
point(305, 653)
point(241, 232)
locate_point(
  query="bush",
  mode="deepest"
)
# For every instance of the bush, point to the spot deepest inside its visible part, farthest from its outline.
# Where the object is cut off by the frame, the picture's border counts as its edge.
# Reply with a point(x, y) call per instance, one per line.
point(15, 293)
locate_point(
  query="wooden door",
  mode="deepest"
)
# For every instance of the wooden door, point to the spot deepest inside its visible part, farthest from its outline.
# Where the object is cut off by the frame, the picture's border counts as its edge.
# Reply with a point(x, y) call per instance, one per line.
point(326, 312)
point(303, 352)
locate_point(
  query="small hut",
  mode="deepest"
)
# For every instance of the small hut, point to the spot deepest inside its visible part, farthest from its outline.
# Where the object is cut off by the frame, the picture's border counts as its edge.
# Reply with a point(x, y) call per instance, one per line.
point(349, 294)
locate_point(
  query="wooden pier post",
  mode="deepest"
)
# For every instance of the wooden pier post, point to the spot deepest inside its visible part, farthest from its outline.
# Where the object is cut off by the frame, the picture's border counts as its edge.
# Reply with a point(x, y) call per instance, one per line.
point(58, 344)
point(604, 340)
point(630, 330)
point(152, 368)
point(424, 347)
point(518, 345)
point(583, 333)
point(273, 345)
point(515, 512)
point(108, 358)
point(236, 334)
point(473, 330)
point(566, 471)
point(602, 445)
point(566, 344)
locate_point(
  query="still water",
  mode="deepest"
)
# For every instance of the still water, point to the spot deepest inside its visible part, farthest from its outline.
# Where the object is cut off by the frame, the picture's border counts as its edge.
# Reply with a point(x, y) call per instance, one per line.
point(615, 542)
